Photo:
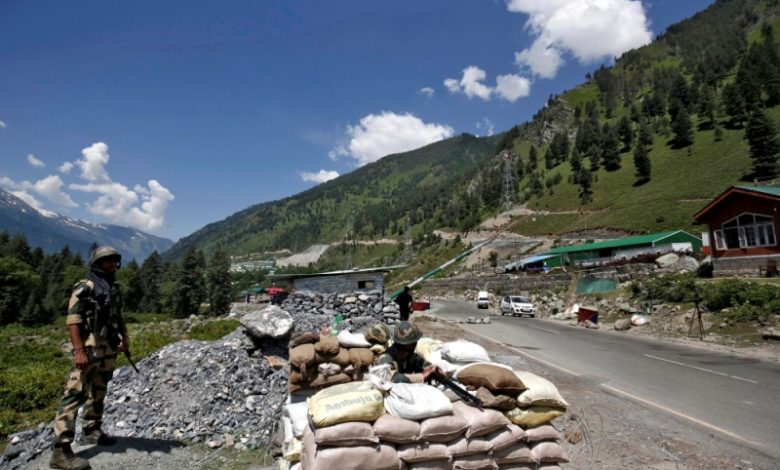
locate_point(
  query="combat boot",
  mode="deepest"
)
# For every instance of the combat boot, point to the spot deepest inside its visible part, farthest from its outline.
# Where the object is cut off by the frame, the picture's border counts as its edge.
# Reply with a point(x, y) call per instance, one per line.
point(97, 436)
point(62, 457)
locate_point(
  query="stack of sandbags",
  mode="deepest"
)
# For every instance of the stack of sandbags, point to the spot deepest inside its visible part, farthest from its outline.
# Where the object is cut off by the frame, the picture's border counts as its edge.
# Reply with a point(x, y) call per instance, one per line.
point(321, 360)
point(451, 356)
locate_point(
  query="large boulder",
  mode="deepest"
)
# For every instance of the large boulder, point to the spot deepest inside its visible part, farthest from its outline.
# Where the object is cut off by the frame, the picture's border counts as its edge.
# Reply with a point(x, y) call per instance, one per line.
point(667, 260)
point(686, 264)
point(623, 324)
point(271, 322)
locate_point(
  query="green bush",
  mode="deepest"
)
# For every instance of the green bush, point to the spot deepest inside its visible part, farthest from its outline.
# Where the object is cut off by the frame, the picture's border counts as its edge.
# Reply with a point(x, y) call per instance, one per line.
point(724, 294)
point(744, 313)
point(31, 386)
point(213, 330)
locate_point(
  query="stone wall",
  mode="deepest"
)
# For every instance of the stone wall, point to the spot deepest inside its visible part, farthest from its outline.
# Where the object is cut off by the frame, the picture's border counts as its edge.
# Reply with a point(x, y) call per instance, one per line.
point(751, 267)
point(349, 306)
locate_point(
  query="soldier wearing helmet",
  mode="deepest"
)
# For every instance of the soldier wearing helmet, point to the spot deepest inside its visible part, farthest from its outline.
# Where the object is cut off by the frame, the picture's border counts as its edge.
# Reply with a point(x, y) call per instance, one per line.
point(407, 365)
point(97, 332)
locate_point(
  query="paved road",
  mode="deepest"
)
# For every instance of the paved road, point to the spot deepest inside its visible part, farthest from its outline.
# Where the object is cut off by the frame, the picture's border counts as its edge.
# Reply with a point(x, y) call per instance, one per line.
point(734, 396)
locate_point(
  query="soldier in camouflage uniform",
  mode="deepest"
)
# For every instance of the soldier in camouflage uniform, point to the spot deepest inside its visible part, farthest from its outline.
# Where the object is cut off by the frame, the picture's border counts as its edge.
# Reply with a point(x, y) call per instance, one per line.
point(97, 332)
point(407, 365)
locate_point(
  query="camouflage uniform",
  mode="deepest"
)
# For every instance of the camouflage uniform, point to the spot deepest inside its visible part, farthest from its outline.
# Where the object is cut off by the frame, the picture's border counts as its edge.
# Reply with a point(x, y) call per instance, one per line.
point(408, 370)
point(88, 387)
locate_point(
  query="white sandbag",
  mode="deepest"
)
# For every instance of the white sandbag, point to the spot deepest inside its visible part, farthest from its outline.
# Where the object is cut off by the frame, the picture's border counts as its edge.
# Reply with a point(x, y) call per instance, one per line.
point(348, 339)
point(427, 345)
point(540, 392)
point(464, 351)
point(328, 369)
point(435, 359)
point(287, 428)
point(639, 320)
point(298, 414)
point(416, 401)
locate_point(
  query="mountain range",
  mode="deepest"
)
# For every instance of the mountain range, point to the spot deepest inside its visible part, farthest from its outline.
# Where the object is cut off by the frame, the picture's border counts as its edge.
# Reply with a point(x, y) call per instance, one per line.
point(52, 231)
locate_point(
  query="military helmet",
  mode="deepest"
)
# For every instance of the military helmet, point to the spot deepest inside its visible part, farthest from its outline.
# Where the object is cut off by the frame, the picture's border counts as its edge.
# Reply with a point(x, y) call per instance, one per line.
point(406, 333)
point(102, 252)
point(378, 333)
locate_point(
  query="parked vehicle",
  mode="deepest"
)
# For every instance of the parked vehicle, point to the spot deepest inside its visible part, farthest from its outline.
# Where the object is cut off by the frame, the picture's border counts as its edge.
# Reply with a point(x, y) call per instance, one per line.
point(517, 305)
point(483, 300)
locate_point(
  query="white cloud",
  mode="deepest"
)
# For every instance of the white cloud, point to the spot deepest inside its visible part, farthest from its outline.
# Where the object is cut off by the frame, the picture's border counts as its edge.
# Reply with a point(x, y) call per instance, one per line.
point(120, 205)
point(378, 135)
point(486, 126)
point(51, 188)
point(427, 91)
point(9, 184)
point(95, 158)
point(32, 160)
point(319, 177)
point(512, 87)
point(27, 197)
point(470, 83)
point(2, 124)
point(588, 29)
point(66, 167)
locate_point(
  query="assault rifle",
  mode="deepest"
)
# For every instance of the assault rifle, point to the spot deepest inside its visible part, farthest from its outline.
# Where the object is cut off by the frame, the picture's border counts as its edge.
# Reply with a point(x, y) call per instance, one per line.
point(457, 389)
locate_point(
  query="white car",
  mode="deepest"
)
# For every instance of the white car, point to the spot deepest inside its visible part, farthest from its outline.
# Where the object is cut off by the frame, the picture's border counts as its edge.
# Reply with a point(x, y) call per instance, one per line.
point(483, 299)
point(517, 305)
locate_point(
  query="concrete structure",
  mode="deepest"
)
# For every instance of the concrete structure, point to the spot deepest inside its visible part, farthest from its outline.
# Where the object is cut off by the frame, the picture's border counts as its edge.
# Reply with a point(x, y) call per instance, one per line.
point(742, 230)
point(335, 282)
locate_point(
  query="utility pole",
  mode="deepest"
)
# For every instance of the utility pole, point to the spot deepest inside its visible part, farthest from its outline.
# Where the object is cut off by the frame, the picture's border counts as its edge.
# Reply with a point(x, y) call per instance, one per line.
point(349, 239)
point(509, 180)
point(408, 254)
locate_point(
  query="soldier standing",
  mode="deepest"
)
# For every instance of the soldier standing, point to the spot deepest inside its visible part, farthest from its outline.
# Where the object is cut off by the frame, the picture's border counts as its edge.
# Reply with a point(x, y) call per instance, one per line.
point(97, 332)
point(404, 301)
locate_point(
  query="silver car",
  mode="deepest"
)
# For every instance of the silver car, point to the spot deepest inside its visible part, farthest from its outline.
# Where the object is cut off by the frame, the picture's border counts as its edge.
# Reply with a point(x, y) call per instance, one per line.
point(517, 305)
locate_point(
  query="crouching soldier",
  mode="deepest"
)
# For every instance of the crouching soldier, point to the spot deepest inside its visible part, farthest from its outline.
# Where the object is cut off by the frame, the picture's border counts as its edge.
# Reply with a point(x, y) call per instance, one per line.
point(97, 332)
point(407, 365)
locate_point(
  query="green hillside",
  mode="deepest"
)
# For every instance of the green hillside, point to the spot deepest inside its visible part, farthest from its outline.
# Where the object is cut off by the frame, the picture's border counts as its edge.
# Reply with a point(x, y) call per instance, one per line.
point(690, 97)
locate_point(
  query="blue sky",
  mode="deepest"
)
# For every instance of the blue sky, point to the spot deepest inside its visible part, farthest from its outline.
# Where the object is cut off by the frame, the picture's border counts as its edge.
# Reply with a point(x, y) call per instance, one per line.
point(168, 115)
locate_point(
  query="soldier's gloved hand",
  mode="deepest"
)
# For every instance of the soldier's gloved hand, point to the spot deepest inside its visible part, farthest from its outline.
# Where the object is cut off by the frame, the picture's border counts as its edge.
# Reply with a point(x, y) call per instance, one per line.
point(124, 345)
point(80, 359)
point(426, 373)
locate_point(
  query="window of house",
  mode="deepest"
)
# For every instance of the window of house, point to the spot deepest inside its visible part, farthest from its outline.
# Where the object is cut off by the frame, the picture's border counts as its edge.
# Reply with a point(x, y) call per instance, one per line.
point(365, 284)
point(747, 230)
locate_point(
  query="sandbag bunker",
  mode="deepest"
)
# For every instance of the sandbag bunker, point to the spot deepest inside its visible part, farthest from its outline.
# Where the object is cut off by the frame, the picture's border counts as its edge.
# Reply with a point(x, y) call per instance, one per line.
point(343, 413)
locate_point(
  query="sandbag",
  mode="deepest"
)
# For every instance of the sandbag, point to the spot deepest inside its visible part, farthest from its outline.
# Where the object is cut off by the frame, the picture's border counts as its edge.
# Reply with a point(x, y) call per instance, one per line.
point(495, 401)
point(540, 392)
point(481, 422)
point(327, 345)
point(474, 462)
point(361, 358)
point(347, 339)
point(464, 351)
point(443, 428)
point(341, 358)
point(301, 376)
point(321, 381)
point(542, 433)
point(506, 437)
point(298, 413)
point(346, 435)
point(416, 401)
point(430, 465)
point(378, 349)
point(303, 338)
point(287, 429)
point(434, 357)
point(377, 457)
point(302, 356)
point(494, 377)
point(397, 430)
point(534, 415)
point(519, 453)
point(474, 446)
point(354, 401)
point(549, 452)
point(425, 346)
point(328, 368)
point(292, 450)
point(423, 452)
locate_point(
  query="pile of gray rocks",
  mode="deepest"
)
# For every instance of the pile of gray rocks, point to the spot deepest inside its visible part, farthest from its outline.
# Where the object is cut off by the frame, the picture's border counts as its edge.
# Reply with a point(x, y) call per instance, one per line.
point(358, 304)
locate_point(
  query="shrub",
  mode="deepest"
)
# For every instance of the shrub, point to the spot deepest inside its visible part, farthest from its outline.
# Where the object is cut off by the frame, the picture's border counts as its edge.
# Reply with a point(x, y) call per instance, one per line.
point(744, 313)
point(212, 330)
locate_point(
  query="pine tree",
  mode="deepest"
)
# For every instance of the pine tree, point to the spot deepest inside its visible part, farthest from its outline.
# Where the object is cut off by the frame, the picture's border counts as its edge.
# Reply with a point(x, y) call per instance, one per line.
point(132, 286)
point(219, 283)
point(733, 104)
point(549, 161)
point(189, 285)
point(585, 180)
point(151, 276)
point(533, 160)
point(706, 109)
point(761, 135)
point(645, 134)
point(683, 129)
point(642, 164)
point(610, 148)
point(625, 133)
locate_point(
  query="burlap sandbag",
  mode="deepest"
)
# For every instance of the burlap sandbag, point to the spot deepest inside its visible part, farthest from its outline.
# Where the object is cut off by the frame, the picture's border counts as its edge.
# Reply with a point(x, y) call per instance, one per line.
point(518, 453)
point(302, 356)
point(494, 377)
point(540, 392)
point(304, 338)
point(341, 358)
point(443, 428)
point(542, 433)
point(377, 457)
point(361, 358)
point(496, 401)
point(506, 437)
point(430, 465)
point(473, 446)
point(320, 380)
point(423, 452)
point(301, 376)
point(328, 345)
point(474, 462)
point(354, 401)
point(396, 430)
point(481, 422)
point(346, 434)
point(533, 416)
point(519, 466)
point(549, 452)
